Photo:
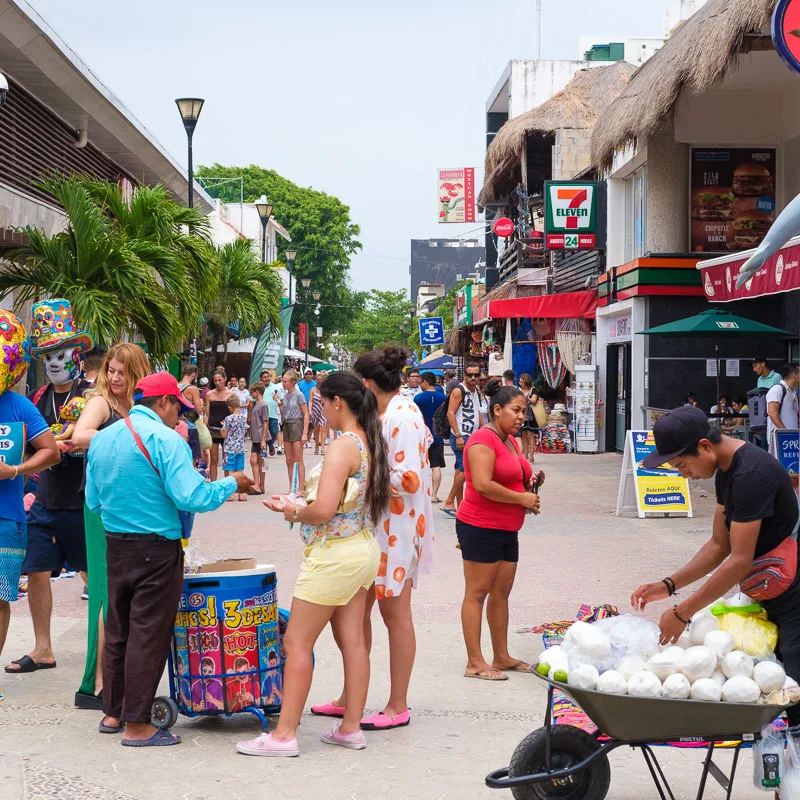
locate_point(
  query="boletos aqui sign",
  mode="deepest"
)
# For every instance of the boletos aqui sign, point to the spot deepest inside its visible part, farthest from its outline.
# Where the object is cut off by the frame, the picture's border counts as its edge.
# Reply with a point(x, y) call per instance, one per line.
point(575, 215)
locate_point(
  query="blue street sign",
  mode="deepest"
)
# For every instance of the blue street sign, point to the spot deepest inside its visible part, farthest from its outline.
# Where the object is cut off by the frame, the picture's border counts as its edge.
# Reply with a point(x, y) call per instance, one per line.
point(431, 331)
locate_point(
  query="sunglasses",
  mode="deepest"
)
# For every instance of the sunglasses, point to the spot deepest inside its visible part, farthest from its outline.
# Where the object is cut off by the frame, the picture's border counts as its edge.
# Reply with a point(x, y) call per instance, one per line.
point(473, 374)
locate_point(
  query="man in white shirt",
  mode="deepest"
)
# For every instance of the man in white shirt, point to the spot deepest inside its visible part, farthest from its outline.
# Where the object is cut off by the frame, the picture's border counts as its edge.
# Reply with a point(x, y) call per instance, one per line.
point(782, 403)
point(412, 388)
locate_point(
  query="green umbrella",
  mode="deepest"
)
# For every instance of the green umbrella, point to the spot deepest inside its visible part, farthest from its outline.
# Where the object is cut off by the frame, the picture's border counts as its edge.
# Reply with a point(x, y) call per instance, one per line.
point(712, 324)
point(323, 367)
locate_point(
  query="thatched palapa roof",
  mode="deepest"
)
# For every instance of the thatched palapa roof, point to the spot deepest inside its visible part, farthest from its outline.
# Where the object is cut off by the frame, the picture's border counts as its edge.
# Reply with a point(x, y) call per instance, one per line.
point(578, 106)
point(695, 58)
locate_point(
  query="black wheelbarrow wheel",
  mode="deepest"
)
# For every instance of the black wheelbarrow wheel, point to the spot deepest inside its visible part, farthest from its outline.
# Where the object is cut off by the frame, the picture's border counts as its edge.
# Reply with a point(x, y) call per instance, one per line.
point(164, 713)
point(568, 746)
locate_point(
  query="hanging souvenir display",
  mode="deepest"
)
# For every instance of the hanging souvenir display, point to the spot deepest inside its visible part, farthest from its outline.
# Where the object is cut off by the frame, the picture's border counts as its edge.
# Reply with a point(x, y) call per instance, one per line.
point(574, 342)
point(550, 361)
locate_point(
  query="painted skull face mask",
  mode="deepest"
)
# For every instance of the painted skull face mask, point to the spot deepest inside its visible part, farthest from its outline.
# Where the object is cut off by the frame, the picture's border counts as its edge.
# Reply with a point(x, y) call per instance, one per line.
point(62, 366)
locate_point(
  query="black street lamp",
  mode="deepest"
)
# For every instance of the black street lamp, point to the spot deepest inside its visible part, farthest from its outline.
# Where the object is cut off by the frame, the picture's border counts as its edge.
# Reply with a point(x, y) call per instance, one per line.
point(190, 108)
point(291, 255)
point(264, 208)
point(306, 283)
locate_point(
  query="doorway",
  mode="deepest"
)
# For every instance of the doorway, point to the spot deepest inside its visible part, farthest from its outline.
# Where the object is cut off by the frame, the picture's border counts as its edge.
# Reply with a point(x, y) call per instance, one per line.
point(618, 395)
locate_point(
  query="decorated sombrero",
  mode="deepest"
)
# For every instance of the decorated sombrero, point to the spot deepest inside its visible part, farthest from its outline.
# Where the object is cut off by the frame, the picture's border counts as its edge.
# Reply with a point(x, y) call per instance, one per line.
point(53, 328)
point(15, 352)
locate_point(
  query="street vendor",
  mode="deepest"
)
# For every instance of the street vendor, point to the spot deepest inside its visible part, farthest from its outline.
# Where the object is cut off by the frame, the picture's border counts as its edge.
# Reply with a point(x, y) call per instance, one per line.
point(756, 517)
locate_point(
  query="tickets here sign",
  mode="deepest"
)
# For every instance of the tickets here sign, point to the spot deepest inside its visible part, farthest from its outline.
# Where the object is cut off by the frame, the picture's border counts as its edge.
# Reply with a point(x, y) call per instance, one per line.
point(12, 442)
point(658, 491)
point(787, 447)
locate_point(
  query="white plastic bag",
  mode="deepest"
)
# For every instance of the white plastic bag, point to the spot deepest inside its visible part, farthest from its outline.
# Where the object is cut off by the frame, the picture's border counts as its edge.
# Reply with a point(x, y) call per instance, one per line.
point(644, 684)
point(768, 760)
point(721, 642)
point(677, 687)
point(790, 783)
point(706, 689)
point(666, 663)
point(740, 690)
point(630, 665)
point(611, 682)
point(583, 677)
point(699, 662)
point(737, 663)
point(769, 676)
point(701, 624)
point(588, 640)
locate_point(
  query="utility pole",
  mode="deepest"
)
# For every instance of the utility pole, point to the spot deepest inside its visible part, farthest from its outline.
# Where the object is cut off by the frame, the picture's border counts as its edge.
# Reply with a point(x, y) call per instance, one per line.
point(538, 29)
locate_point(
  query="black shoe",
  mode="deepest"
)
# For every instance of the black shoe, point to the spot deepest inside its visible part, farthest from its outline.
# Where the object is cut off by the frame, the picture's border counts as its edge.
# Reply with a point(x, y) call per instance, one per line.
point(89, 702)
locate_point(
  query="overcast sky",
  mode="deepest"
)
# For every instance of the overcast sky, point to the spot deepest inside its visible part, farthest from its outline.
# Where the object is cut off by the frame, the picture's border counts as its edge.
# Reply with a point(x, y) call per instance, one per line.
point(362, 99)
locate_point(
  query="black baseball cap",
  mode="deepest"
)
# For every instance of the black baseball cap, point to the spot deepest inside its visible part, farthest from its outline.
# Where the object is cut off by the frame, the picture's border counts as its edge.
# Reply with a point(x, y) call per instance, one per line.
point(675, 433)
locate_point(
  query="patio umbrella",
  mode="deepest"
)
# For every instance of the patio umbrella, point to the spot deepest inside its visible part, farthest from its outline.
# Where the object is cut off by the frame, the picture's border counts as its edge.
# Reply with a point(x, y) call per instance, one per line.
point(439, 362)
point(712, 324)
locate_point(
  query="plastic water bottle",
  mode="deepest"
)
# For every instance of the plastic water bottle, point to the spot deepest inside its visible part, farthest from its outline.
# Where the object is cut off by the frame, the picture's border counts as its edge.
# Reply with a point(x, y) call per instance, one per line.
point(768, 760)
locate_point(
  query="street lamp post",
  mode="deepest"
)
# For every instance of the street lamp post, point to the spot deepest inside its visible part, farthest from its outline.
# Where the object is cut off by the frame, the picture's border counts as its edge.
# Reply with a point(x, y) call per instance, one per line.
point(306, 283)
point(291, 255)
point(264, 208)
point(190, 108)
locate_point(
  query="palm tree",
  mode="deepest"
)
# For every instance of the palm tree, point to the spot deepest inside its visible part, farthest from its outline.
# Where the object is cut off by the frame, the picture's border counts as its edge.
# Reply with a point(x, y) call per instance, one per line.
point(249, 293)
point(145, 267)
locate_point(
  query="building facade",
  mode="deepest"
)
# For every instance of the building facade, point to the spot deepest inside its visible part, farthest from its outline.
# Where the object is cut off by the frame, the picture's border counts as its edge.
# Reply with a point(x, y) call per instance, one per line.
point(445, 262)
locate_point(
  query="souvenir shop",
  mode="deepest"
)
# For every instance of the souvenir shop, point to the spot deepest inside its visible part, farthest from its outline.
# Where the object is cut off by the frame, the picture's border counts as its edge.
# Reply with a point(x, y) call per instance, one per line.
point(551, 338)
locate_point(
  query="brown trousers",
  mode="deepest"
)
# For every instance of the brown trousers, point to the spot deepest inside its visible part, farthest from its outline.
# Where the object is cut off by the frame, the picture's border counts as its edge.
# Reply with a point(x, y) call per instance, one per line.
point(145, 579)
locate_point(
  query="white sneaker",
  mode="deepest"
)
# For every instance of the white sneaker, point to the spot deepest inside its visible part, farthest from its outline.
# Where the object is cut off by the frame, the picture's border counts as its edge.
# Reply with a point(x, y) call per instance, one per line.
point(352, 741)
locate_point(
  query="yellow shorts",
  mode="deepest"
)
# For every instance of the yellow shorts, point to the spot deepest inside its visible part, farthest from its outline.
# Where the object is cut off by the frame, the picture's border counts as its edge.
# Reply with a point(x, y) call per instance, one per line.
point(332, 573)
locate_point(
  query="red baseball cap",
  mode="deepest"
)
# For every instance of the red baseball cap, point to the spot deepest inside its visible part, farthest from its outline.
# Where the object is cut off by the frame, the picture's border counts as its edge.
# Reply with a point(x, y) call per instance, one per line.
point(160, 384)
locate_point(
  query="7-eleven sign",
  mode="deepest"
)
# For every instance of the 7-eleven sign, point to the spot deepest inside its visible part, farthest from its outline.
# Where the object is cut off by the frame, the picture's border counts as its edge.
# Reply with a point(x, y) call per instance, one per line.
point(571, 215)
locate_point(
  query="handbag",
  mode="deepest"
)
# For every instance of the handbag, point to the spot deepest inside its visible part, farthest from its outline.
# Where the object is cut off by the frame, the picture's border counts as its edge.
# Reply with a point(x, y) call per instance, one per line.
point(186, 517)
point(204, 435)
point(774, 572)
point(349, 499)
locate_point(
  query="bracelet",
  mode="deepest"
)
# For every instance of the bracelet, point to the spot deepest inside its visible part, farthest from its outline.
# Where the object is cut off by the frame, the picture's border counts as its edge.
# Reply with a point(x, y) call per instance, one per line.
point(680, 619)
point(16, 472)
point(670, 584)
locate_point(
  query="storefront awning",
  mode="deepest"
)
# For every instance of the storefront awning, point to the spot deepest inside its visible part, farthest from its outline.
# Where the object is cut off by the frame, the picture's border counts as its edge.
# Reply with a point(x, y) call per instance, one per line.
point(570, 305)
point(781, 273)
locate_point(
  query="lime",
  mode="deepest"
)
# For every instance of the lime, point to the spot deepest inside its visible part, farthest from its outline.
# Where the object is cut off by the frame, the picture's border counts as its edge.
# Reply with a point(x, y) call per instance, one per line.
point(543, 669)
point(560, 676)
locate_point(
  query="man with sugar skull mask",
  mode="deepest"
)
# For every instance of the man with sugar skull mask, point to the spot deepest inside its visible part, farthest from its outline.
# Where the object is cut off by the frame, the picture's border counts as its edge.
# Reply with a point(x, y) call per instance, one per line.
point(55, 520)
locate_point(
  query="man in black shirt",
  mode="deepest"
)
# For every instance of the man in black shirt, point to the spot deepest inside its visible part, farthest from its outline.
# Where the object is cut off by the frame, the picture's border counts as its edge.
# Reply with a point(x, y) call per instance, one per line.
point(757, 510)
point(55, 521)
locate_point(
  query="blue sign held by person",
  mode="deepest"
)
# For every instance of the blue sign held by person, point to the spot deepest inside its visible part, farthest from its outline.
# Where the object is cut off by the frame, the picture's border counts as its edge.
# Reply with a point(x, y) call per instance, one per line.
point(431, 331)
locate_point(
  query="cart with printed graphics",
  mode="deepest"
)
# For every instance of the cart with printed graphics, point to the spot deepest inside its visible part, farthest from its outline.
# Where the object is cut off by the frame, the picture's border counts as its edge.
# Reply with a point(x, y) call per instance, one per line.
point(562, 761)
point(226, 655)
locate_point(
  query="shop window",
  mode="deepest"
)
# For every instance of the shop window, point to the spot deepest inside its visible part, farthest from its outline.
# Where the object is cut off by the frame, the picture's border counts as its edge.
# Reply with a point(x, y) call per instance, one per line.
point(636, 214)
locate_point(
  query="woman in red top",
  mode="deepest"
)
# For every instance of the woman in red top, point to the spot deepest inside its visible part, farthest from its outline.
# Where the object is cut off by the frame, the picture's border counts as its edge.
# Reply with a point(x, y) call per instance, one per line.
point(499, 480)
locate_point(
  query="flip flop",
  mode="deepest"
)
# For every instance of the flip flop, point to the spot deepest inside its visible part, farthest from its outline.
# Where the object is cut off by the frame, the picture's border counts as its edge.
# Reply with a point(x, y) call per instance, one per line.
point(160, 738)
point(486, 675)
point(27, 664)
point(449, 512)
point(518, 667)
point(110, 728)
point(437, 500)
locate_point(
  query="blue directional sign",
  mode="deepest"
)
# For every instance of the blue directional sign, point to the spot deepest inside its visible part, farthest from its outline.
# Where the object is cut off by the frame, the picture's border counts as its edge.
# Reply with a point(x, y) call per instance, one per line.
point(431, 331)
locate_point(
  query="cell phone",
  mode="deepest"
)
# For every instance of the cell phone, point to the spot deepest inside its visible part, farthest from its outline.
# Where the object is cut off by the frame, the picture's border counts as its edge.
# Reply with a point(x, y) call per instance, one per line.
point(537, 483)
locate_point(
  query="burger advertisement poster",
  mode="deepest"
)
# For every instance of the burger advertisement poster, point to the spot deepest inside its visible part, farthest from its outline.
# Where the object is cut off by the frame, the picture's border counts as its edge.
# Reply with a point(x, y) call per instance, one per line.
point(733, 198)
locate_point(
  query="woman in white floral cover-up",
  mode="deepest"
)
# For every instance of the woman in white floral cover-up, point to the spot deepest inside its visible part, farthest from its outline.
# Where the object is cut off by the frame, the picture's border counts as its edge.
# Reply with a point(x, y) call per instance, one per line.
point(405, 535)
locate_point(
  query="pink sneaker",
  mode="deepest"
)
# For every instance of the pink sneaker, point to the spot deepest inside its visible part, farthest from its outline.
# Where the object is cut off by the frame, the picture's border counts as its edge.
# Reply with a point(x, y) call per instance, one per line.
point(328, 710)
point(265, 745)
point(353, 741)
point(383, 722)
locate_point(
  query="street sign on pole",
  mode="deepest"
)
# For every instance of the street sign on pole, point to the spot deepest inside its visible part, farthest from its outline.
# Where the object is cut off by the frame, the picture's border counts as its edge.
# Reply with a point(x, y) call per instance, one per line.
point(431, 331)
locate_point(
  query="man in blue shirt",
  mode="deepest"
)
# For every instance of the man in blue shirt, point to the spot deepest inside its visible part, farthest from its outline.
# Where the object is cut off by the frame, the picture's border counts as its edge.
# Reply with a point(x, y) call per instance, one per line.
point(273, 391)
point(428, 401)
point(139, 475)
point(307, 384)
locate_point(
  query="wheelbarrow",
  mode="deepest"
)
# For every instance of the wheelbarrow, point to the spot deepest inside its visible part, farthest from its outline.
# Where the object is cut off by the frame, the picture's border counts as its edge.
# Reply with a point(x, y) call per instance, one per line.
point(566, 762)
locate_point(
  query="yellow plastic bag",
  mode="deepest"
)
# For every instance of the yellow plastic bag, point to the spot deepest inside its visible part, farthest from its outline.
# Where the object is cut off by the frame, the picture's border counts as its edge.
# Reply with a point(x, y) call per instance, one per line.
point(751, 630)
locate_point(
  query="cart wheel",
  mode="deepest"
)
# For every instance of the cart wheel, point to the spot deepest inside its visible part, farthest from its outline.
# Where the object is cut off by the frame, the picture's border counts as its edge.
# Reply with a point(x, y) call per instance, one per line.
point(568, 746)
point(164, 713)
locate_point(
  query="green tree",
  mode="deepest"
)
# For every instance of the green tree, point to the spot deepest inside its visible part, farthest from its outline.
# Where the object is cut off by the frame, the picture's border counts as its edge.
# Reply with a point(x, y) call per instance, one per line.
point(322, 232)
point(444, 310)
point(126, 270)
point(385, 319)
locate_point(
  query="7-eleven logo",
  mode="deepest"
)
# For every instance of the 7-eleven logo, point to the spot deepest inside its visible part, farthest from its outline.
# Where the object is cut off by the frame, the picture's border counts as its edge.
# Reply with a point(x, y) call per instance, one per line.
point(571, 206)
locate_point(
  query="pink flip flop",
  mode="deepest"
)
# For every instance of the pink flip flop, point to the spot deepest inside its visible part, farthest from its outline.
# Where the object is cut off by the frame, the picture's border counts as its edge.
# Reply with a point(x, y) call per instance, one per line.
point(328, 710)
point(383, 722)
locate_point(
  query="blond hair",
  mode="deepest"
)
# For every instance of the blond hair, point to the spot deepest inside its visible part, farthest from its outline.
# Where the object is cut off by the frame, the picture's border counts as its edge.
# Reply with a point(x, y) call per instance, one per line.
point(291, 375)
point(136, 366)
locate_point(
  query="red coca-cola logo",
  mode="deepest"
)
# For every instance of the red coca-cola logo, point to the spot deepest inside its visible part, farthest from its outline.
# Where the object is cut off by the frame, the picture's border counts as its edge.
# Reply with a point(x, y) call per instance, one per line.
point(503, 227)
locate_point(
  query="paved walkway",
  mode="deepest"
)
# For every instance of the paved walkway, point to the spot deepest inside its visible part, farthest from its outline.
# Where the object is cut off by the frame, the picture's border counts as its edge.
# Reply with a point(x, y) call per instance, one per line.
point(576, 552)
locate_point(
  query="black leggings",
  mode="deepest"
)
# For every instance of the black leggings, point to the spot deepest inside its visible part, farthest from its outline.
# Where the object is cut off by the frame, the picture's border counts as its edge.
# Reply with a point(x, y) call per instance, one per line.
point(784, 611)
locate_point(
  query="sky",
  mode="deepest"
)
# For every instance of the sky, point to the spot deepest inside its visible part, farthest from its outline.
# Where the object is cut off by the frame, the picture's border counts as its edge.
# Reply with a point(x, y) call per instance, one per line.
point(361, 99)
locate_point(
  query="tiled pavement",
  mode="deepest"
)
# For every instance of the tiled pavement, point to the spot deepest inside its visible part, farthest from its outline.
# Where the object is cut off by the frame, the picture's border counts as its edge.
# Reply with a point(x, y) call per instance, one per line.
point(576, 551)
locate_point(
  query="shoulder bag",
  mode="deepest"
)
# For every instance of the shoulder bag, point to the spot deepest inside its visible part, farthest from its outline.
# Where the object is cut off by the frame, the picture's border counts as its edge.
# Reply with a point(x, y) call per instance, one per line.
point(773, 573)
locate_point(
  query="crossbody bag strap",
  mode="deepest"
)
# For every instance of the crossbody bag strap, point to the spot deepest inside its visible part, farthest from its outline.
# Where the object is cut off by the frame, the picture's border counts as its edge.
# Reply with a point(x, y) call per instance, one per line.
point(140, 444)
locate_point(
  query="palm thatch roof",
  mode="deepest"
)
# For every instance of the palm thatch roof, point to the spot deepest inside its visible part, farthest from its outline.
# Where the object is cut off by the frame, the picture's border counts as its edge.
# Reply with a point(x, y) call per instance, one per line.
point(695, 58)
point(578, 107)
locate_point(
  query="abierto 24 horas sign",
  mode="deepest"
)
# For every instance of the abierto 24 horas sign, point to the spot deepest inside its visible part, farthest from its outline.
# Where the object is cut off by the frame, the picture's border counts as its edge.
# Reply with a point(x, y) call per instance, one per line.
point(575, 215)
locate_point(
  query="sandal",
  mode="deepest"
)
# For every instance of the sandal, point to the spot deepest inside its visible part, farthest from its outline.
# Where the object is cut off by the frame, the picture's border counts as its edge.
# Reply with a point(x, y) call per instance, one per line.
point(328, 710)
point(487, 675)
point(27, 664)
point(520, 666)
point(160, 738)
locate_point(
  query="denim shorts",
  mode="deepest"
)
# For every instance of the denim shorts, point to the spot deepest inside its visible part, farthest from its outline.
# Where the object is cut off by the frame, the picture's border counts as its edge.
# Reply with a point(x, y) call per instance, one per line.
point(13, 542)
point(55, 537)
point(274, 428)
point(459, 454)
point(234, 462)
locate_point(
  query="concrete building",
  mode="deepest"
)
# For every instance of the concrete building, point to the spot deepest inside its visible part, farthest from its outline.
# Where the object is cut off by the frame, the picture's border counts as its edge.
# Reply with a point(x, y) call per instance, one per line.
point(444, 261)
point(428, 297)
point(634, 50)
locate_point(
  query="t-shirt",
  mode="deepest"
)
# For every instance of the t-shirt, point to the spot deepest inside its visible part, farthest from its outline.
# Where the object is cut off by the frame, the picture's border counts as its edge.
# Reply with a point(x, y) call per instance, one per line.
point(60, 487)
point(756, 486)
point(451, 384)
point(428, 403)
point(272, 403)
point(244, 397)
point(511, 471)
point(236, 426)
point(293, 403)
point(781, 393)
point(410, 392)
point(467, 420)
point(258, 416)
point(305, 387)
point(16, 408)
point(773, 379)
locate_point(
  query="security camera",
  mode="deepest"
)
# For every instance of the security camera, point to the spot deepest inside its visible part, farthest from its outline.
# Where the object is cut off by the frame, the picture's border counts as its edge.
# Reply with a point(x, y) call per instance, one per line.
point(3, 88)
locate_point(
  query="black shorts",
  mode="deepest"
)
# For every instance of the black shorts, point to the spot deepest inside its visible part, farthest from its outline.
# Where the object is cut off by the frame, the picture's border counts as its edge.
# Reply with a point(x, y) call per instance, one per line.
point(436, 455)
point(487, 545)
point(55, 537)
point(194, 443)
point(256, 448)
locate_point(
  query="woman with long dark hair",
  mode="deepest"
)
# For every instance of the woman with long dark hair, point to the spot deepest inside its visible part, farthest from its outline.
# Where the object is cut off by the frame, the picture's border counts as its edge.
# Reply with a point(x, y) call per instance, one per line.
point(497, 495)
point(405, 534)
point(214, 413)
point(341, 559)
point(530, 426)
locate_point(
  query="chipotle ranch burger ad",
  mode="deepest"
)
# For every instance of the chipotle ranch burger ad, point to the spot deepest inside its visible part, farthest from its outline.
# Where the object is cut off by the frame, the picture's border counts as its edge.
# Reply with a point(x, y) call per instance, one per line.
point(733, 198)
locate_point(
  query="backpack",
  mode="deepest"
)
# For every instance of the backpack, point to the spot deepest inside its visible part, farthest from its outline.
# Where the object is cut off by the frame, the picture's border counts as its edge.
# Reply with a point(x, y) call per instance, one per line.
point(441, 425)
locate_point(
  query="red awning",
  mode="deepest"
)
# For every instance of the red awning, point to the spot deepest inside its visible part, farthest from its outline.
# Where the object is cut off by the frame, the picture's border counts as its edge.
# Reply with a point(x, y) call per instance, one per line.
point(562, 306)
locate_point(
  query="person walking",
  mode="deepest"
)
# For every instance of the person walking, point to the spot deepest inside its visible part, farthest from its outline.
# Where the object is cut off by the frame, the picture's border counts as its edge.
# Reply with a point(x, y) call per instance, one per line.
point(111, 400)
point(412, 387)
point(139, 475)
point(192, 394)
point(234, 431)
point(782, 405)
point(405, 534)
point(463, 414)
point(767, 377)
point(245, 401)
point(340, 562)
point(318, 422)
point(498, 493)
point(273, 392)
point(16, 409)
point(509, 378)
point(308, 382)
point(259, 436)
point(215, 411)
point(429, 400)
point(530, 426)
point(294, 410)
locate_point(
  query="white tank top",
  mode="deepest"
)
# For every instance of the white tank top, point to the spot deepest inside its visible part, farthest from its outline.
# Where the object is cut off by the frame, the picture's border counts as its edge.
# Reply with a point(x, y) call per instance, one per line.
point(467, 412)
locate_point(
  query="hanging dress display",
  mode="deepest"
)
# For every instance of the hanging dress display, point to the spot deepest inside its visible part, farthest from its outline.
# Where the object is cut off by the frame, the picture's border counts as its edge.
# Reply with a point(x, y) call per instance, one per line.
point(551, 362)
